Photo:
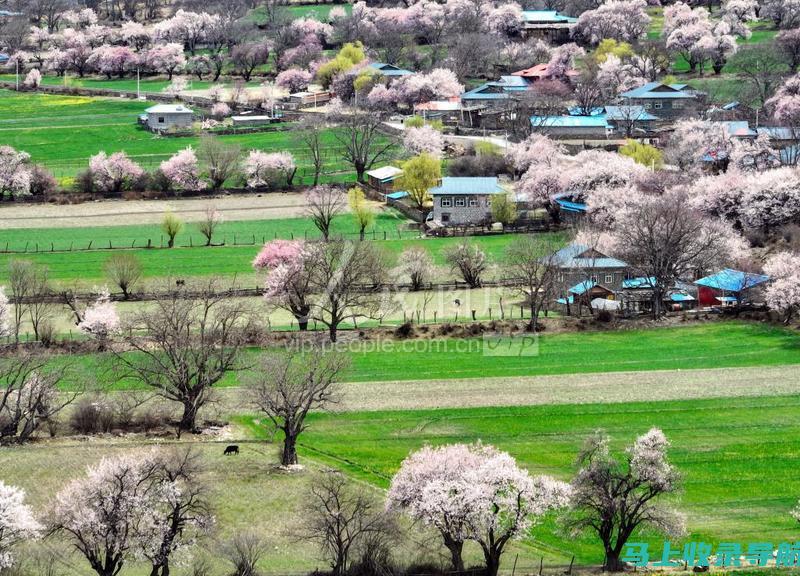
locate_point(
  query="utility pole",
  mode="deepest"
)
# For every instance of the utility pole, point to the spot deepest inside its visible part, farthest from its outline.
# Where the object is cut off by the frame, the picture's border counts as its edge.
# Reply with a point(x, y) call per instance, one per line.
point(17, 61)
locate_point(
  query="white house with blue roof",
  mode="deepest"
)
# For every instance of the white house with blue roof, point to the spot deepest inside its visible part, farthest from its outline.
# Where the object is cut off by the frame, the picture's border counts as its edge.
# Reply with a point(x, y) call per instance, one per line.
point(664, 100)
point(464, 200)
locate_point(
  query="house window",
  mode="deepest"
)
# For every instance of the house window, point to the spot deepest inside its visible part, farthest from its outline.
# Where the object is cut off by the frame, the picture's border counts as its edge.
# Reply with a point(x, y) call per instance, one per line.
point(593, 278)
point(473, 202)
point(647, 105)
point(677, 105)
point(446, 202)
point(658, 105)
point(609, 278)
point(460, 203)
point(160, 119)
point(445, 217)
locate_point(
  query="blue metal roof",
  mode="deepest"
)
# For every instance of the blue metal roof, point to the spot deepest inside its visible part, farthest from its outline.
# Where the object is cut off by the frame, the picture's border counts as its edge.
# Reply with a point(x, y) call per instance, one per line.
point(497, 89)
point(649, 90)
point(569, 121)
point(637, 113)
point(730, 280)
point(390, 69)
point(568, 206)
point(580, 256)
point(546, 17)
point(569, 299)
point(582, 287)
point(777, 132)
point(740, 128)
point(4, 58)
point(678, 297)
point(397, 195)
point(466, 185)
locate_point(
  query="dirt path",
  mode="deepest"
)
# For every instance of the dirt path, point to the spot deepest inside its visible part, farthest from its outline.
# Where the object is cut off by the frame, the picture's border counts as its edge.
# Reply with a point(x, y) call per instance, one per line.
point(573, 389)
point(122, 212)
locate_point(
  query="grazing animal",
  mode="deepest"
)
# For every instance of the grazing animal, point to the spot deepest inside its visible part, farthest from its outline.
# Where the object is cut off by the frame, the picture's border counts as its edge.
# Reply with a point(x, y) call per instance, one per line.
point(232, 449)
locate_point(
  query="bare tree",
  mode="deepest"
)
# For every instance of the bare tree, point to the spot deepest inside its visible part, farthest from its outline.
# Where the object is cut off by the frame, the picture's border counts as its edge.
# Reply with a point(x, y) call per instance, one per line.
point(124, 271)
point(221, 160)
point(288, 386)
point(534, 109)
point(589, 91)
point(209, 223)
point(30, 395)
point(761, 67)
point(309, 134)
point(30, 289)
point(323, 204)
point(468, 260)
point(343, 520)
point(362, 142)
point(347, 277)
point(184, 344)
point(244, 550)
point(532, 268)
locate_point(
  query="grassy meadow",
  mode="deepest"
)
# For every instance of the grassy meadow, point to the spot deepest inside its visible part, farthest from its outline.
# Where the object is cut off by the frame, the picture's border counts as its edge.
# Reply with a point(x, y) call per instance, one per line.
point(711, 345)
point(62, 132)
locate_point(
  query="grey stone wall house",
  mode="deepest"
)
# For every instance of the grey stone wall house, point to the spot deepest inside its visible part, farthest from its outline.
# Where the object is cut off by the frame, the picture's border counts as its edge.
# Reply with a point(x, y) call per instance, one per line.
point(163, 117)
point(464, 200)
point(580, 263)
point(667, 101)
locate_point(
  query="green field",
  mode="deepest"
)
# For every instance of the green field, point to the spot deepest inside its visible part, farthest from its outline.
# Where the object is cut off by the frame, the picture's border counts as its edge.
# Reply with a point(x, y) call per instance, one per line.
point(738, 458)
point(711, 345)
point(62, 132)
point(229, 260)
point(146, 85)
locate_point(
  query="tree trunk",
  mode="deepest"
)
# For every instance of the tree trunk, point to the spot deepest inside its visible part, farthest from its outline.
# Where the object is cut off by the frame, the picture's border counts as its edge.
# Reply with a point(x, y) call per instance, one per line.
point(332, 332)
point(492, 563)
point(189, 419)
point(455, 547)
point(613, 563)
point(289, 454)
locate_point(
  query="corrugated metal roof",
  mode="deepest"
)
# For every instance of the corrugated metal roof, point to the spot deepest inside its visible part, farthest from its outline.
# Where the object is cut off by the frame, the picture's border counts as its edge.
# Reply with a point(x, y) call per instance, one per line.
point(582, 287)
point(385, 172)
point(546, 17)
point(570, 257)
point(569, 121)
point(730, 280)
point(168, 109)
point(629, 113)
point(390, 69)
point(649, 90)
point(571, 206)
point(467, 185)
point(641, 282)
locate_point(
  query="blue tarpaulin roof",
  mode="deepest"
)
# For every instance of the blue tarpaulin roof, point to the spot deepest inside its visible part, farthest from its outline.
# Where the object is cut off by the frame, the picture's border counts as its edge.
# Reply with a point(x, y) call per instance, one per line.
point(678, 297)
point(641, 282)
point(730, 280)
point(569, 300)
point(397, 195)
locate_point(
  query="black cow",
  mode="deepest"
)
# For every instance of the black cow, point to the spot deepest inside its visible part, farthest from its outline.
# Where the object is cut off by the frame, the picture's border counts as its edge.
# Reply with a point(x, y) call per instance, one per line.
point(232, 449)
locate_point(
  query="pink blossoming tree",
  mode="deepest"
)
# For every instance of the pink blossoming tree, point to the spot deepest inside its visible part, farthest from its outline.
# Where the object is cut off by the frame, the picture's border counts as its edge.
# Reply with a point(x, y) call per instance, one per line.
point(623, 20)
point(288, 283)
point(424, 139)
point(183, 171)
point(115, 173)
point(100, 319)
point(15, 172)
point(783, 291)
point(294, 79)
point(262, 169)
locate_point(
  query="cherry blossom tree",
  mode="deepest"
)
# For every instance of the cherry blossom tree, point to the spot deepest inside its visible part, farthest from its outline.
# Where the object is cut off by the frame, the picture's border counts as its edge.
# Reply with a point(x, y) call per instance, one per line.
point(783, 291)
point(474, 493)
point(784, 13)
point(113, 60)
point(294, 79)
point(113, 173)
point(288, 279)
point(247, 57)
point(220, 110)
point(505, 19)
point(164, 58)
point(535, 150)
point(687, 30)
point(614, 497)
point(15, 172)
point(788, 42)
point(32, 79)
point(17, 522)
point(183, 171)
point(693, 139)
point(100, 319)
point(189, 28)
point(438, 84)
point(424, 139)
point(624, 20)
point(262, 169)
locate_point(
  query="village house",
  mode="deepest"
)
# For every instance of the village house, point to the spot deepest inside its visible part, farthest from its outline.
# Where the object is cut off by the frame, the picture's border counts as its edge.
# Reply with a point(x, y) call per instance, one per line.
point(163, 117)
point(667, 101)
point(728, 287)
point(464, 200)
point(495, 93)
point(572, 127)
point(548, 25)
point(541, 72)
point(308, 99)
point(588, 271)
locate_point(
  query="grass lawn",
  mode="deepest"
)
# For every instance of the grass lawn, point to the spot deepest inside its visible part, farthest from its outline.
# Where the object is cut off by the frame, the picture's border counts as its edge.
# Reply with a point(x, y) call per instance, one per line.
point(711, 345)
point(738, 459)
point(62, 132)
point(123, 84)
